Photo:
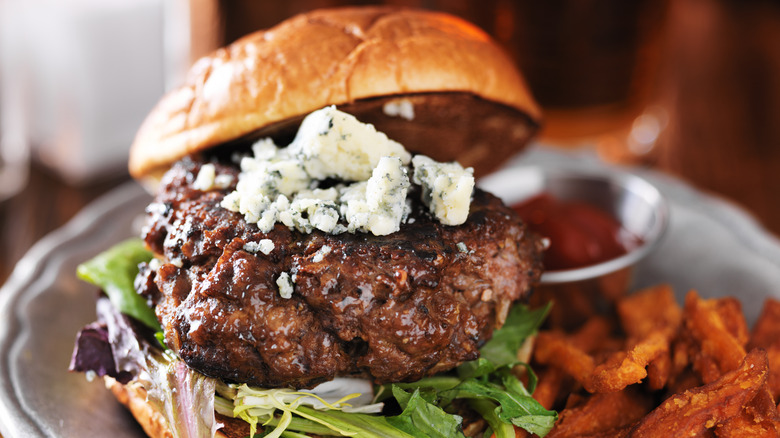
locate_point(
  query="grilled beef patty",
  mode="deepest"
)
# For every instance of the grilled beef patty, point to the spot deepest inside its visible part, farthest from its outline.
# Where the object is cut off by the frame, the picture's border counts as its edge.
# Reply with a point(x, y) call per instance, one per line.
point(395, 308)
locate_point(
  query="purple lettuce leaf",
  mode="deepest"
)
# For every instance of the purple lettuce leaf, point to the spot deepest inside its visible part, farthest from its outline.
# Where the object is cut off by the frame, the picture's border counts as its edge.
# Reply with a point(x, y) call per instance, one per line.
point(124, 348)
point(93, 353)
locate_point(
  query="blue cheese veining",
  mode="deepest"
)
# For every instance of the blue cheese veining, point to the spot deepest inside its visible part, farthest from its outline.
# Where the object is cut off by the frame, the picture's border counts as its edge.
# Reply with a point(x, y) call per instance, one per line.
point(285, 285)
point(447, 188)
point(332, 143)
point(372, 175)
point(264, 246)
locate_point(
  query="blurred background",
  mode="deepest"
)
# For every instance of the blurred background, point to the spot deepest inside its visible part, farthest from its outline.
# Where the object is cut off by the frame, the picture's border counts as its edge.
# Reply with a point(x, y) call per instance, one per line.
point(690, 87)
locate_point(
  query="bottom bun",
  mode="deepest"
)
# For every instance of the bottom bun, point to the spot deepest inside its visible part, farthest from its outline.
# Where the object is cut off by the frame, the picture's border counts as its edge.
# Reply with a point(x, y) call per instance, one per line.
point(133, 396)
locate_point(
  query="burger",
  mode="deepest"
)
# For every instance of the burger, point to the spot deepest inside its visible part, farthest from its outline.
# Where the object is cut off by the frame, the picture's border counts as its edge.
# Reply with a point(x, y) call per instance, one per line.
point(316, 259)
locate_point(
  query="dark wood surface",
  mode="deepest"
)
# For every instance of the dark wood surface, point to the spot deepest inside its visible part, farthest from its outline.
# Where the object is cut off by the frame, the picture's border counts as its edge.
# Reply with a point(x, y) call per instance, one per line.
point(45, 204)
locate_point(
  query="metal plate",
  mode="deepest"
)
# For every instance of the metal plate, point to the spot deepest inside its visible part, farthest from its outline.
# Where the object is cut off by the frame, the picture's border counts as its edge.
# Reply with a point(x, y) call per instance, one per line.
point(710, 245)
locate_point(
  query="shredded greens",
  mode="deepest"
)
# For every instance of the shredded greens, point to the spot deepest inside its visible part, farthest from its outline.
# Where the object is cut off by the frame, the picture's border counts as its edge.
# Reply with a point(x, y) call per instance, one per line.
point(254, 405)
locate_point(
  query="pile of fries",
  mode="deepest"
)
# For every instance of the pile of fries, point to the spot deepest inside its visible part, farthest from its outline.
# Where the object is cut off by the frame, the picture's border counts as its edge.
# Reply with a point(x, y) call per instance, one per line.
point(639, 365)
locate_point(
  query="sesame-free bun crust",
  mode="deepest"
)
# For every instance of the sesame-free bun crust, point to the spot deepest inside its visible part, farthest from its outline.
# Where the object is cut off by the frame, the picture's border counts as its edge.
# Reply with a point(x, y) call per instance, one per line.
point(333, 56)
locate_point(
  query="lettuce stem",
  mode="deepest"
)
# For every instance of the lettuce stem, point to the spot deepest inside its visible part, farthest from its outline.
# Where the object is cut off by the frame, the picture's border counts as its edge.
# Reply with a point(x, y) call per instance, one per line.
point(487, 409)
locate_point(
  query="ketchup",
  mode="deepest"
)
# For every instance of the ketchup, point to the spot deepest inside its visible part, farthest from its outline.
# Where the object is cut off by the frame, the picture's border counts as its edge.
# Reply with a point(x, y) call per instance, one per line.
point(580, 234)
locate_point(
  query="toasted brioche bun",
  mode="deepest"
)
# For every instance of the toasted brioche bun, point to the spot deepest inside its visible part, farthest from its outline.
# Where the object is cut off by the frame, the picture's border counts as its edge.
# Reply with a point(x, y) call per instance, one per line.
point(467, 94)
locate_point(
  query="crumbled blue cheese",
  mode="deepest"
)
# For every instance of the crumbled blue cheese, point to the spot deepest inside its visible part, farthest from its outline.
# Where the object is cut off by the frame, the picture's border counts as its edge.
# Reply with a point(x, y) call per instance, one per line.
point(264, 246)
point(306, 214)
point(223, 181)
point(379, 204)
point(282, 185)
point(269, 178)
point(155, 264)
point(447, 188)
point(334, 144)
point(464, 249)
point(403, 108)
point(386, 196)
point(208, 179)
point(285, 285)
point(321, 253)
point(205, 179)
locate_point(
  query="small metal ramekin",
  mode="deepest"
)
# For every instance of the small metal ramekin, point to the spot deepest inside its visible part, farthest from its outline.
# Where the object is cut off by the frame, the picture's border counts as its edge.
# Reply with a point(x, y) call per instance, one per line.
point(635, 203)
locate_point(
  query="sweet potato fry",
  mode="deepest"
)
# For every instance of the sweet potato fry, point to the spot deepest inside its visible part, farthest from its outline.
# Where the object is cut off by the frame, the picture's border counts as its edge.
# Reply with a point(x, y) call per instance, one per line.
point(766, 335)
point(683, 381)
point(695, 356)
point(627, 368)
point(555, 350)
point(602, 413)
point(705, 325)
point(730, 311)
point(620, 432)
point(759, 418)
point(651, 318)
point(767, 329)
point(773, 352)
point(649, 310)
point(682, 352)
point(693, 412)
point(552, 384)
point(593, 335)
point(706, 367)
point(659, 371)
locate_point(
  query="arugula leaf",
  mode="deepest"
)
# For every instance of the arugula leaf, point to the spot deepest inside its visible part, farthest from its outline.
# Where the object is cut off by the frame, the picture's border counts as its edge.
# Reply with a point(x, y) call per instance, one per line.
point(516, 407)
point(436, 383)
point(476, 369)
point(422, 418)
point(362, 425)
point(488, 409)
point(114, 271)
point(512, 383)
point(521, 323)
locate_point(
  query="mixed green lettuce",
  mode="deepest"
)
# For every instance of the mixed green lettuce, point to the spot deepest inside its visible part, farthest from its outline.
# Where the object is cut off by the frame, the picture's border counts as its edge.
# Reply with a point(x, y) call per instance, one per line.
point(114, 271)
point(428, 408)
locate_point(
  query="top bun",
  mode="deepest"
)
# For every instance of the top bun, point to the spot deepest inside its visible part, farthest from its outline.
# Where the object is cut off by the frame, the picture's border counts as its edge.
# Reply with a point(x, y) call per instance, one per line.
point(470, 102)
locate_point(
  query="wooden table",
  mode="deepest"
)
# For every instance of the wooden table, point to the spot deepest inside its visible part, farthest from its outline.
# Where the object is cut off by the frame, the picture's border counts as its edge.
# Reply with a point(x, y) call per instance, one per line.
point(44, 205)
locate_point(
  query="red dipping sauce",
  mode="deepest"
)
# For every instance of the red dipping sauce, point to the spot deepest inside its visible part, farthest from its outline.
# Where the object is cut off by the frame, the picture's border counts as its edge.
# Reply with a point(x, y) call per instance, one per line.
point(580, 234)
